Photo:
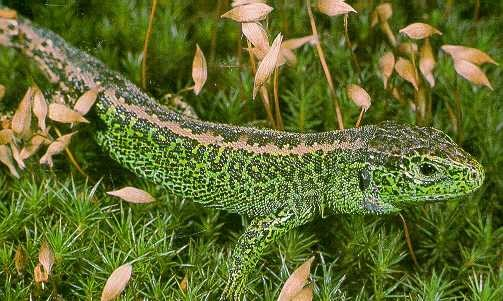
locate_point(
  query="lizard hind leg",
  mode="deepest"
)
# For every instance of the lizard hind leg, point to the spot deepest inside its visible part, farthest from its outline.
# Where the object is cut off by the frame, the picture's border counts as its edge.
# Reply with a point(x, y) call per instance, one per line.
point(261, 232)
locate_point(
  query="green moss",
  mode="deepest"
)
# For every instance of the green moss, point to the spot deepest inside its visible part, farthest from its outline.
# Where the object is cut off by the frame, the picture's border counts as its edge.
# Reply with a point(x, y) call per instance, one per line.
point(457, 244)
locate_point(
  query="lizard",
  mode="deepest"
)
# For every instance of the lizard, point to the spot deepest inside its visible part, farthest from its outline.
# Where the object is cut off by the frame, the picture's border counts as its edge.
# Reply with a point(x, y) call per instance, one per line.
point(281, 180)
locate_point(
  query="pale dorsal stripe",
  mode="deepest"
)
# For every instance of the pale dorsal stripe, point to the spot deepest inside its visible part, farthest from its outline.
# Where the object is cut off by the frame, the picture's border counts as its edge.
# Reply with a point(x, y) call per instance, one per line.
point(209, 138)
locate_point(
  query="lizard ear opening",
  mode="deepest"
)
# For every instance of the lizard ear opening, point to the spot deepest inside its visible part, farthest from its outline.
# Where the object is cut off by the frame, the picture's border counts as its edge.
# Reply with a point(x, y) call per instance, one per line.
point(372, 202)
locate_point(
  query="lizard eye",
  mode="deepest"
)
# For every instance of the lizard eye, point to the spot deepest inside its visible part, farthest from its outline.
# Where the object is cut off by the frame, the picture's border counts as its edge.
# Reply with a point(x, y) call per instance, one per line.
point(427, 169)
point(364, 179)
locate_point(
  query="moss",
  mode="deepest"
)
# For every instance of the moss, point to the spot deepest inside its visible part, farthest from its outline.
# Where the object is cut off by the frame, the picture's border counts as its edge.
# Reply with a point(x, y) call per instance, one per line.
point(457, 244)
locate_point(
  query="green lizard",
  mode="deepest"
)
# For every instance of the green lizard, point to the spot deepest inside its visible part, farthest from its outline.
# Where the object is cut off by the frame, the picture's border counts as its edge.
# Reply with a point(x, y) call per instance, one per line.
point(281, 180)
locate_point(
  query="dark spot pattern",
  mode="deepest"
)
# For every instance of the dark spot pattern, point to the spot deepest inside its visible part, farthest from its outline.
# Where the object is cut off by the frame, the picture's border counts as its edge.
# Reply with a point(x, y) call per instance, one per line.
point(371, 170)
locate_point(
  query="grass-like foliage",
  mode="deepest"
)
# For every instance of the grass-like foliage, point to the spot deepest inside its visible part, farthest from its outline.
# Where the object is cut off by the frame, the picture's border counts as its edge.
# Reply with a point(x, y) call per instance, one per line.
point(179, 250)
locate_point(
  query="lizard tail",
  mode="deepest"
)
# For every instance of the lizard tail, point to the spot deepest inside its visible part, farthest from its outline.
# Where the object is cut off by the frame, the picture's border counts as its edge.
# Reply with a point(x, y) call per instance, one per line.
point(50, 52)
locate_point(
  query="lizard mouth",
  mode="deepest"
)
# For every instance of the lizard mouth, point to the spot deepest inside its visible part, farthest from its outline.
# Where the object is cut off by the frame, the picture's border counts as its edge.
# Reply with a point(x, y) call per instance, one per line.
point(438, 197)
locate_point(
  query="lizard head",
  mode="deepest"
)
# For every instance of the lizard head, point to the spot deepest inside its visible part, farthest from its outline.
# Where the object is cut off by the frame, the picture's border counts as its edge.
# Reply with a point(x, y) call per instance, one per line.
point(416, 164)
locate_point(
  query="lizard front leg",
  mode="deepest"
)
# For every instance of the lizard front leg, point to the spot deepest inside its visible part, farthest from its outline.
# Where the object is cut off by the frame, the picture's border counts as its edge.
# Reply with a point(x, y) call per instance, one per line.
point(261, 232)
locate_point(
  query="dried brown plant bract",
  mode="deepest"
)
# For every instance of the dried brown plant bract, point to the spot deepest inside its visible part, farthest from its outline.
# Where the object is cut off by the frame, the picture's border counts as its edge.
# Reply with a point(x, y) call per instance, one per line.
point(132, 195)
point(5, 122)
point(395, 92)
point(380, 15)
point(472, 73)
point(61, 113)
point(257, 35)
point(199, 70)
point(46, 257)
point(406, 70)
point(258, 53)
point(386, 66)
point(427, 62)
point(296, 282)
point(418, 31)
point(117, 282)
point(473, 55)
point(286, 56)
point(408, 48)
point(21, 120)
point(244, 2)
point(6, 136)
point(55, 148)
point(16, 156)
point(39, 107)
point(40, 274)
point(248, 13)
point(86, 101)
point(384, 11)
point(299, 42)
point(334, 7)
point(306, 294)
point(184, 284)
point(20, 260)
point(2, 91)
point(8, 13)
point(266, 67)
point(33, 146)
point(6, 159)
point(359, 96)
